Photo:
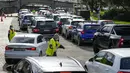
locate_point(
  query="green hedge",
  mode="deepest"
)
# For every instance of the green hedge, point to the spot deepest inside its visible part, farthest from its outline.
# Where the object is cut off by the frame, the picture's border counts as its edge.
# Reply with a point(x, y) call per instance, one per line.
point(115, 14)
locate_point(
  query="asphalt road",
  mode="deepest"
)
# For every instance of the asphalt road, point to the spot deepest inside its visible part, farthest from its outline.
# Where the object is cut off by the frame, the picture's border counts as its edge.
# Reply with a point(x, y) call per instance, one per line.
point(82, 53)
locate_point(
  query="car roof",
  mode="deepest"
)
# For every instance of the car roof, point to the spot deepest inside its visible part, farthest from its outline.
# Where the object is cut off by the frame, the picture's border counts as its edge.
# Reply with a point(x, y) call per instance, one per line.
point(51, 64)
point(103, 20)
point(88, 23)
point(27, 35)
point(29, 14)
point(78, 20)
point(123, 52)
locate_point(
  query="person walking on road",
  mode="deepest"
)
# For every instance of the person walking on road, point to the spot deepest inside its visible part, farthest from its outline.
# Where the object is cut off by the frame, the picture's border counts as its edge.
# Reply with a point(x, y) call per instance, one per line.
point(11, 33)
point(53, 46)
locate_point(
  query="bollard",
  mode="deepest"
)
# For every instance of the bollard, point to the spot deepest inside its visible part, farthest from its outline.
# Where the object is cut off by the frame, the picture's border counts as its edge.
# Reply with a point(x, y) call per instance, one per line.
point(11, 15)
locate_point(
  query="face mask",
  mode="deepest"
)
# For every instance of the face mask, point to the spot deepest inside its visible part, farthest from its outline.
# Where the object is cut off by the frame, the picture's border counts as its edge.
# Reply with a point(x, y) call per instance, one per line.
point(11, 28)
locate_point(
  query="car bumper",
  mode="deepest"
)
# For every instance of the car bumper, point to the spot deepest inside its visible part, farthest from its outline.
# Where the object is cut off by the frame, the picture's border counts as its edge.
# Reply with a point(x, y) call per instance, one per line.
point(87, 40)
point(12, 55)
point(25, 25)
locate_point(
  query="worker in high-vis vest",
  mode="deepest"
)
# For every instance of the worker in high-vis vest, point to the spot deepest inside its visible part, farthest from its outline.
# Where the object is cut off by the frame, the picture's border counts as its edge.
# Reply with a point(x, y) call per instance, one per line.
point(53, 45)
point(11, 33)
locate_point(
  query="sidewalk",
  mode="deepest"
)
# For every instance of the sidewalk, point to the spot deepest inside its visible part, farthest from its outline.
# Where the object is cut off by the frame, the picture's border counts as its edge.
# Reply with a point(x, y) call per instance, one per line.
point(4, 27)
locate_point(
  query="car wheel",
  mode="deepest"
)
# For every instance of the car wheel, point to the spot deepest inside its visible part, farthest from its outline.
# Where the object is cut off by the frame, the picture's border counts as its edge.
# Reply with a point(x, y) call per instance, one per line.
point(40, 54)
point(66, 36)
point(72, 39)
point(62, 33)
point(79, 42)
point(110, 45)
point(8, 61)
point(85, 67)
point(95, 47)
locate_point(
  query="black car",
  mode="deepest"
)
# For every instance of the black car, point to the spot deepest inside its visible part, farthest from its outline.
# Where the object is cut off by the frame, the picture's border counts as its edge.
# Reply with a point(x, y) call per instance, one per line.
point(111, 36)
point(47, 27)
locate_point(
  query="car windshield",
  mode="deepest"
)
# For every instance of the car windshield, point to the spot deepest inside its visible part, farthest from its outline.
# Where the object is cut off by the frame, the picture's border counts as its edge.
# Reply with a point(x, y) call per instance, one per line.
point(77, 18)
point(91, 27)
point(28, 17)
point(46, 24)
point(122, 30)
point(125, 63)
point(22, 40)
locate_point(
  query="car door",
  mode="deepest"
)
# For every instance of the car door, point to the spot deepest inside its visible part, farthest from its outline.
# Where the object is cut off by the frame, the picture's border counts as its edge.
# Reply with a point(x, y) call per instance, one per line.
point(101, 36)
point(41, 44)
point(106, 37)
point(94, 65)
point(107, 65)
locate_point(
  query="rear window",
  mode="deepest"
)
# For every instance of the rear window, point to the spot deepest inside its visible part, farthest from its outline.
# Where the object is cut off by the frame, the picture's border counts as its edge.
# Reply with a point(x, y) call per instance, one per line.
point(77, 18)
point(28, 17)
point(65, 20)
point(92, 27)
point(122, 30)
point(46, 24)
point(75, 23)
point(125, 63)
point(22, 40)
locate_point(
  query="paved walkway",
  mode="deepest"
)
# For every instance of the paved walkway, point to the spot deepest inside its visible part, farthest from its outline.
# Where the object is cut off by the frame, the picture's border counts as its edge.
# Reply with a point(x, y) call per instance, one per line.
point(4, 27)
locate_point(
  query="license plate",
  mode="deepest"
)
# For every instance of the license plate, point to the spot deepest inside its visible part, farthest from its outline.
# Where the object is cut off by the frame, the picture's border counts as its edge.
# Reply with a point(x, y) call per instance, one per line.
point(46, 30)
point(19, 49)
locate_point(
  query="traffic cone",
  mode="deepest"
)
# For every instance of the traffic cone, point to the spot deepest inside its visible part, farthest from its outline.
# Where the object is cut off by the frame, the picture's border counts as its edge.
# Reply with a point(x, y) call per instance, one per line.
point(1, 19)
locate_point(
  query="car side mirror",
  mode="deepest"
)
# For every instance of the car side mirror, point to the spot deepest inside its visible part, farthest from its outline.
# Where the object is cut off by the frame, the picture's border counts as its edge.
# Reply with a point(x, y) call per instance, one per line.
point(74, 27)
point(91, 59)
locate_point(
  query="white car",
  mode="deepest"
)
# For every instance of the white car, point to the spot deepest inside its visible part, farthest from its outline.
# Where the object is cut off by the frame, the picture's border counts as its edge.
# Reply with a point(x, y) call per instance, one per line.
point(104, 22)
point(110, 61)
point(23, 45)
point(67, 27)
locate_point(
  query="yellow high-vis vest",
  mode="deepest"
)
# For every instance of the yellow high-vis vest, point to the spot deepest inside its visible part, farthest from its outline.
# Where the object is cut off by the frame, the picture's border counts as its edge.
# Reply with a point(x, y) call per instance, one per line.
point(12, 34)
point(55, 45)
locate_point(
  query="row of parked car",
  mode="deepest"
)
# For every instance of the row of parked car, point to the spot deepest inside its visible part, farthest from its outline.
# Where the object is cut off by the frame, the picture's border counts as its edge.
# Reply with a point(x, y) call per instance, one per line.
point(77, 29)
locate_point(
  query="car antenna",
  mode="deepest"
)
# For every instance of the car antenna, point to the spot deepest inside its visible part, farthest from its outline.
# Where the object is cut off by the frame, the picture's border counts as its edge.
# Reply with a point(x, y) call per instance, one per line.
point(60, 64)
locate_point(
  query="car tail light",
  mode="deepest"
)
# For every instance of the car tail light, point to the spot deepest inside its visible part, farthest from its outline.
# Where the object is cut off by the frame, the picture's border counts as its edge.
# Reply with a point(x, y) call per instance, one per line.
point(123, 72)
point(7, 48)
point(70, 27)
point(60, 23)
point(82, 32)
point(57, 30)
point(120, 43)
point(33, 49)
point(35, 30)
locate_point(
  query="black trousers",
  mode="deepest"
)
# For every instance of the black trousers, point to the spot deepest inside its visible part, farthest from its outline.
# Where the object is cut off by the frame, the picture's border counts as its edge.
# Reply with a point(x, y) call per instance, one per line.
point(55, 54)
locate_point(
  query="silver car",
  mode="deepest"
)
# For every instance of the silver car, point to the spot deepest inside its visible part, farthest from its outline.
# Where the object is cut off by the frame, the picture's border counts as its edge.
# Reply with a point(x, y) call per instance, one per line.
point(24, 45)
point(48, 65)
